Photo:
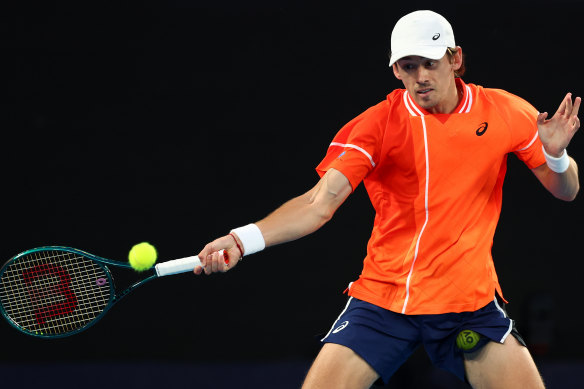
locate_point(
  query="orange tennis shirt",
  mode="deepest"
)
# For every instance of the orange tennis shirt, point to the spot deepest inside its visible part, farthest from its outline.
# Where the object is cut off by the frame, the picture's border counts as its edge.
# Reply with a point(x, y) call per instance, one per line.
point(435, 181)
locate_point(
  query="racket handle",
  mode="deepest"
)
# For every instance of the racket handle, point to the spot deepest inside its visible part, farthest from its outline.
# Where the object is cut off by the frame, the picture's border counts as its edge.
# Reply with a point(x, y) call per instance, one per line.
point(176, 266)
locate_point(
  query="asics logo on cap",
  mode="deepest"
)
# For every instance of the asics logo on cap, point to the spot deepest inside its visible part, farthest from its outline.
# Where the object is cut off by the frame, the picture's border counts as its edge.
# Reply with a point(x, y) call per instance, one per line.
point(341, 327)
point(436, 36)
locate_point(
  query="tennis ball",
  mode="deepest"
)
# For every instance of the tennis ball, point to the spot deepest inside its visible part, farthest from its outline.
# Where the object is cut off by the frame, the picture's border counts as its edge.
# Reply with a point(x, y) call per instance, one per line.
point(142, 256)
point(467, 339)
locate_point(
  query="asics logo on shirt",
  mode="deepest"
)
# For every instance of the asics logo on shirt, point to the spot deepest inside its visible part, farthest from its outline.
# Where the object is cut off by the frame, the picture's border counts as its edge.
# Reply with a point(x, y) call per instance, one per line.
point(341, 327)
point(482, 128)
point(436, 36)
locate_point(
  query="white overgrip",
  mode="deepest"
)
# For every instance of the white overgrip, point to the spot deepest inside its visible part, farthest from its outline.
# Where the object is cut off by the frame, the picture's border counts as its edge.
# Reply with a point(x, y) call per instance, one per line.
point(177, 266)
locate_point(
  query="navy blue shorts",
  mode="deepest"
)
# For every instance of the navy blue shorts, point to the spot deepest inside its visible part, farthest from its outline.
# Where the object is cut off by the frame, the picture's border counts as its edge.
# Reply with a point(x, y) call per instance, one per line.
point(385, 339)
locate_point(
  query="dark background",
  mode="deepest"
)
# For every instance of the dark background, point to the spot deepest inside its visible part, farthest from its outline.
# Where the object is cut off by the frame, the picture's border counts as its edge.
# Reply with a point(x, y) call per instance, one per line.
point(174, 122)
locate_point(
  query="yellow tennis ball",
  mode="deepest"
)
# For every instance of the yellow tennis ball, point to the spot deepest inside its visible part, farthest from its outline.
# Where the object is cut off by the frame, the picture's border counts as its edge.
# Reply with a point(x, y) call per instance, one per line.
point(467, 339)
point(142, 256)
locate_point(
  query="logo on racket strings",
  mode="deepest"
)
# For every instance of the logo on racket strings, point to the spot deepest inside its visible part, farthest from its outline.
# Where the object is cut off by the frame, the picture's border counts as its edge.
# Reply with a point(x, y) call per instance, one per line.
point(42, 294)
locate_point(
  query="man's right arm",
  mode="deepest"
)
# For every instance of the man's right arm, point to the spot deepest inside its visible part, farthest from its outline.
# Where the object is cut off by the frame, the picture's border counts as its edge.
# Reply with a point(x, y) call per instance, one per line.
point(296, 218)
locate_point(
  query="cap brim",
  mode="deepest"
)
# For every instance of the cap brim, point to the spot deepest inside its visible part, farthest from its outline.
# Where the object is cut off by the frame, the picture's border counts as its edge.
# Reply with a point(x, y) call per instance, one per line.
point(432, 52)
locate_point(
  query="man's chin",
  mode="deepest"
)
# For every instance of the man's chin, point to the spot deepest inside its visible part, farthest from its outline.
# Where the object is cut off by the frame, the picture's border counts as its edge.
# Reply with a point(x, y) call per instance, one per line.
point(426, 103)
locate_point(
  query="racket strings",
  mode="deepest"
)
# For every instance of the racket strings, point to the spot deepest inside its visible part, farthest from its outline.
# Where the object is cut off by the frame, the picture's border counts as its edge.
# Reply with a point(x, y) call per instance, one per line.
point(63, 299)
point(53, 292)
point(26, 292)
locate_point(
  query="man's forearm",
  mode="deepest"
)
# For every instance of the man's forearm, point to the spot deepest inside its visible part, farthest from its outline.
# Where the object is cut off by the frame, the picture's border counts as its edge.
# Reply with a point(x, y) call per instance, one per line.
point(564, 186)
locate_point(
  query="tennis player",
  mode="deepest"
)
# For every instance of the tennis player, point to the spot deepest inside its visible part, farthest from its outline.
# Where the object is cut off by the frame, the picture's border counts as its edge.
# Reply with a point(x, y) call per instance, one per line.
point(432, 157)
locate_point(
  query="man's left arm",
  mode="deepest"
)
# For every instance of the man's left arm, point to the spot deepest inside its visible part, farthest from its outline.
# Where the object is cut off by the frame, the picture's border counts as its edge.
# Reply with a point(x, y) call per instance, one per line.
point(560, 174)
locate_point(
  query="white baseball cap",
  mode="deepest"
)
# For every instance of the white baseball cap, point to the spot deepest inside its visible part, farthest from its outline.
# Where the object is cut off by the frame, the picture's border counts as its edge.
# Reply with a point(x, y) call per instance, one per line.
point(422, 33)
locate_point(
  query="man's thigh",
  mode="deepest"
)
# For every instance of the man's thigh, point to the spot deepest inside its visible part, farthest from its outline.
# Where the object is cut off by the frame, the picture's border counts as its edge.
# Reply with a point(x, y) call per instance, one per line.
point(382, 338)
point(337, 366)
point(507, 365)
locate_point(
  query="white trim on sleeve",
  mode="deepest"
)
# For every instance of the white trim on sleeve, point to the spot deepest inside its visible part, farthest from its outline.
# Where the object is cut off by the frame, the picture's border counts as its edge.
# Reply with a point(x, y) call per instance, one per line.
point(530, 143)
point(348, 145)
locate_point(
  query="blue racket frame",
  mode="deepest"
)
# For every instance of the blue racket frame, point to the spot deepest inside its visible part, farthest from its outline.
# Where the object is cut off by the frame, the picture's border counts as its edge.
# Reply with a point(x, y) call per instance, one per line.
point(102, 263)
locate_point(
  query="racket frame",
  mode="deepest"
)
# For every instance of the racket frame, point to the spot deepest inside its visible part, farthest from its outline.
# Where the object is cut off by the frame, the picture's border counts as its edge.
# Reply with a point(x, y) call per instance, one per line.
point(101, 262)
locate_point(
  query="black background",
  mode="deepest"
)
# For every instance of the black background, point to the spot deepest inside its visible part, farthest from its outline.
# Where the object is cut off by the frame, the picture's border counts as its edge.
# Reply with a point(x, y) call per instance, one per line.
point(173, 123)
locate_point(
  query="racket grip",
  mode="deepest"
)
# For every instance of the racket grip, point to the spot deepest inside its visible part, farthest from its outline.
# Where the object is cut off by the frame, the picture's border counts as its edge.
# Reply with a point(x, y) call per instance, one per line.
point(176, 266)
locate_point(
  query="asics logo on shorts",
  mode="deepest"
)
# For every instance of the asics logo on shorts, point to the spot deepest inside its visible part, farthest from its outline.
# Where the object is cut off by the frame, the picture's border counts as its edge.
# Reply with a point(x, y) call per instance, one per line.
point(341, 327)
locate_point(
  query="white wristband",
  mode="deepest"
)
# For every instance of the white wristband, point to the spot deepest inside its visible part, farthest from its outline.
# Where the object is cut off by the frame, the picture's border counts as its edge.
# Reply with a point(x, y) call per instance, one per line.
point(251, 238)
point(558, 165)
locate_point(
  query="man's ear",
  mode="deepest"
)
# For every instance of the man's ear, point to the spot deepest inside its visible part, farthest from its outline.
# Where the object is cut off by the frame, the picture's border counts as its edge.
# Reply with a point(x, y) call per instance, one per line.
point(457, 59)
point(395, 71)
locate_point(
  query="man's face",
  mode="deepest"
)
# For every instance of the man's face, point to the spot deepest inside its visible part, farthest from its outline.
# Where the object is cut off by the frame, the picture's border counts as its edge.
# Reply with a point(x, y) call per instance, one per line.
point(430, 82)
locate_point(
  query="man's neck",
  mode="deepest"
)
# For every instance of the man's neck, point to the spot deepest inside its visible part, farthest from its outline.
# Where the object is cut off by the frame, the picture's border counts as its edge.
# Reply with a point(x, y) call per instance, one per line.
point(451, 100)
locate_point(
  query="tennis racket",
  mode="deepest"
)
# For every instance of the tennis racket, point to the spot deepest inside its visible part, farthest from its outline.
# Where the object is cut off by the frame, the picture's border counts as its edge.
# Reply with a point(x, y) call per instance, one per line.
point(54, 291)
